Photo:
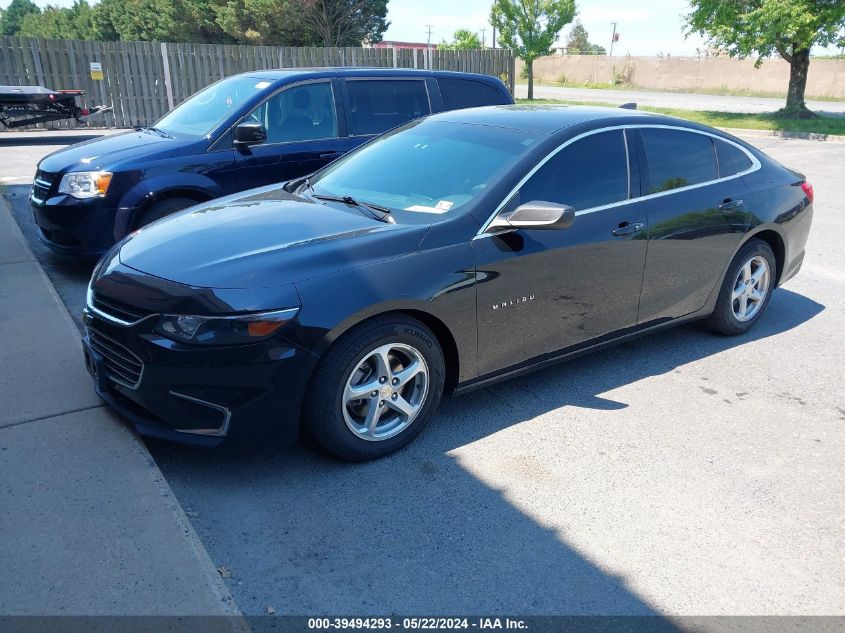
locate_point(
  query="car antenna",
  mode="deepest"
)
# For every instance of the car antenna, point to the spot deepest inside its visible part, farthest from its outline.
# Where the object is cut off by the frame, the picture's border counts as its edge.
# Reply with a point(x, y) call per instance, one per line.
point(629, 106)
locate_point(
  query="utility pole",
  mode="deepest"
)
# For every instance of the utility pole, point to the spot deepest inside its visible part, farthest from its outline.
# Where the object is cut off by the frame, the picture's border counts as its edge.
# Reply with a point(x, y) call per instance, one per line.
point(428, 40)
point(612, 38)
point(494, 37)
point(484, 38)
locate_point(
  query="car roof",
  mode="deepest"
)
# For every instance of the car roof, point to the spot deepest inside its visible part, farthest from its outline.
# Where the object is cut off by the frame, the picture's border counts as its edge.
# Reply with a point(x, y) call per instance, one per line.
point(358, 71)
point(540, 118)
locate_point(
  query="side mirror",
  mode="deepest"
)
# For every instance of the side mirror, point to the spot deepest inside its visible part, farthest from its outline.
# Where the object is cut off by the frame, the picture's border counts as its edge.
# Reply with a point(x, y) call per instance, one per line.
point(249, 133)
point(534, 215)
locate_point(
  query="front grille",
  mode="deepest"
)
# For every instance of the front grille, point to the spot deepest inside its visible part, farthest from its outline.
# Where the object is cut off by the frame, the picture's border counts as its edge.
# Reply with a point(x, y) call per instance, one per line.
point(117, 310)
point(42, 186)
point(124, 367)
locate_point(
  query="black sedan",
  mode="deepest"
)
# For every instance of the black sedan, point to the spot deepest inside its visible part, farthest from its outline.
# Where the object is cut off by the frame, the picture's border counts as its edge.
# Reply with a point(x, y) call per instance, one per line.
point(452, 252)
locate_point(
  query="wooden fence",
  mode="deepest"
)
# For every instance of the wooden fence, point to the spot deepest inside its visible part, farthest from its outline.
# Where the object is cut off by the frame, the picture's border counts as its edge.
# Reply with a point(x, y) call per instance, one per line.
point(143, 80)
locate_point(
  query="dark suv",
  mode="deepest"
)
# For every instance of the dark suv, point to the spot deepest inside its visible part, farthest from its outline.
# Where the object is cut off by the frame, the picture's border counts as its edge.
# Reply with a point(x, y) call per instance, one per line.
point(245, 131)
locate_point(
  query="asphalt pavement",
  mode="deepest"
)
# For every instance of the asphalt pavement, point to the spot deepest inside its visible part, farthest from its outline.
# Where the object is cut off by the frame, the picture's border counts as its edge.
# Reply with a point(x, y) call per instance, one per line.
point(683, 101)
point(683, 473)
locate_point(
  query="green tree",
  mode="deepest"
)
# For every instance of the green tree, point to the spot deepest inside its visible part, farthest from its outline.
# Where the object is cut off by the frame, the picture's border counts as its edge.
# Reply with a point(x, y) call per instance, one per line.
point(578, 42)
point(14, 15)
point(71, 23)
point(529, 27)
point(345, 22)
point(762, 28)
point(144, 20)
point(160, 20)
point(462, 39)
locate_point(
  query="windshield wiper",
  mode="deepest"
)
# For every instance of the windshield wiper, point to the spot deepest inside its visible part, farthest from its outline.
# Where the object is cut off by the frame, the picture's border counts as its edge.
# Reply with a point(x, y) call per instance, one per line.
point(375, 210)
point(148, 128)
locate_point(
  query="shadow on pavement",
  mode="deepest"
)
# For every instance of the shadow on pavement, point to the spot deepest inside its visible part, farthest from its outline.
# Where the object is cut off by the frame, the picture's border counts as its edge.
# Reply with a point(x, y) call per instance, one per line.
point(416, 532)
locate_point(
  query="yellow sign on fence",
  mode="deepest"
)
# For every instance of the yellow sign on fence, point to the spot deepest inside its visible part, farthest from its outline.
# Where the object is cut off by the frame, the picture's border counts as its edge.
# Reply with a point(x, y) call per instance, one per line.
point(96, 71)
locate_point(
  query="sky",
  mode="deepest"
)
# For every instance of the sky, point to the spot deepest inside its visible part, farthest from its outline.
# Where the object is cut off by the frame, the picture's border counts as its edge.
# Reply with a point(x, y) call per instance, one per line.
point(645, 28)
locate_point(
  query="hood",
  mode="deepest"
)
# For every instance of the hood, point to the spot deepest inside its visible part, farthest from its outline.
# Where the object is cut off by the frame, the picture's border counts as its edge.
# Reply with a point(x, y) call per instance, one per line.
point(265, 239)
point(106, 151)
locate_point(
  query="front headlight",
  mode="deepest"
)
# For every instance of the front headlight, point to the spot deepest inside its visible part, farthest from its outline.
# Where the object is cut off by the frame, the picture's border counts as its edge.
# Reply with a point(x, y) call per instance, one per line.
point(233, 330)
point(85, 184)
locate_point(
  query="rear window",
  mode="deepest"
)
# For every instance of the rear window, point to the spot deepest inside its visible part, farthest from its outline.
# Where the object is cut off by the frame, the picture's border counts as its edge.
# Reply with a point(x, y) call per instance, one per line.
point(379, 105)
point(677, 159)
point(467, 93)
point(732, 160)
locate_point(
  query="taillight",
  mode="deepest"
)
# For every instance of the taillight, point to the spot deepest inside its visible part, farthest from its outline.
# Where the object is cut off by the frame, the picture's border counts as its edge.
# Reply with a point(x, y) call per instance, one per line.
point(808, 190)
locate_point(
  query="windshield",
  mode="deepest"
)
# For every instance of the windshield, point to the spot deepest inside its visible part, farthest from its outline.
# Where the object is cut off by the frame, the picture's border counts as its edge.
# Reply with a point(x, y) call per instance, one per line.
point(202, 112)
point(427, 166)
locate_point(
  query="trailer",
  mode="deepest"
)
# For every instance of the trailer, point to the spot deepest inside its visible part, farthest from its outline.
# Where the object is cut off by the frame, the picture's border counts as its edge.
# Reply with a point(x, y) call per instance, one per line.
point(27, 105)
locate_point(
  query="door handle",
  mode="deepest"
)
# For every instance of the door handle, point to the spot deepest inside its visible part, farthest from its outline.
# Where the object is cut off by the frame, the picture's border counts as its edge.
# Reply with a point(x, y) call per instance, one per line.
point(626, 228)
point(331, 155)
point(729, 204)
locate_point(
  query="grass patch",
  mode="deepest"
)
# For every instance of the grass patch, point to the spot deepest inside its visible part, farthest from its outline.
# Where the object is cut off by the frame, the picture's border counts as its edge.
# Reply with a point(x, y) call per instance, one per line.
point(773, 121)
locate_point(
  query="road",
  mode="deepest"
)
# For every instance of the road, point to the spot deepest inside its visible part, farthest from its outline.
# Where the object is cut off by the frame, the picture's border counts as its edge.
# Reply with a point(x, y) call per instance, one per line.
point(676, 100)
point(683, 473)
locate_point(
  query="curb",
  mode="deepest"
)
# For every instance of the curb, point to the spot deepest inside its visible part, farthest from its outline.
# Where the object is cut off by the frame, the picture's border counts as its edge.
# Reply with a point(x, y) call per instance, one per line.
point(806, 136)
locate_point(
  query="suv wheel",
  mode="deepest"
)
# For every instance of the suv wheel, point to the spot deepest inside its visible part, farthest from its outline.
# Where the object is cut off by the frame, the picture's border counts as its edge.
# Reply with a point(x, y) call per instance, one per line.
point(163, 208)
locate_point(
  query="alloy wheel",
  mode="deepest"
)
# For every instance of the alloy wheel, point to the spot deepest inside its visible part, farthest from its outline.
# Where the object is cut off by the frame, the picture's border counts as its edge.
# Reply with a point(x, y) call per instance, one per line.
point(750, 288)
point(385, 392)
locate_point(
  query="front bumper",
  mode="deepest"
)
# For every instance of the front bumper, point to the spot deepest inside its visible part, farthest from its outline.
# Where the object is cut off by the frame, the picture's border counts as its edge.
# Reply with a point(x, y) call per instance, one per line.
point(197, 395)
point(69, 226)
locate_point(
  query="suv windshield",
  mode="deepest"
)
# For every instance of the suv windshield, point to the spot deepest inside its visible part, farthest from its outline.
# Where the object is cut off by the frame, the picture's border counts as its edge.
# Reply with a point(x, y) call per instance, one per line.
point(426, 166)
point(202, 112)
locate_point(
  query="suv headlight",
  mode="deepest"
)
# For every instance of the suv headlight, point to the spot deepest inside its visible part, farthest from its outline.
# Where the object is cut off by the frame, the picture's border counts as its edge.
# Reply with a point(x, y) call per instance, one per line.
point(233, 330)
point(85, 184)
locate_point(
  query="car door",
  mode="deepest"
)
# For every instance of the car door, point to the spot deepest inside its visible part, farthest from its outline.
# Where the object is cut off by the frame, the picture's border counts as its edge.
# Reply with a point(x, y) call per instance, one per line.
point(543, 290)
point(376, 104)
point(304, 133)
point(696, 217)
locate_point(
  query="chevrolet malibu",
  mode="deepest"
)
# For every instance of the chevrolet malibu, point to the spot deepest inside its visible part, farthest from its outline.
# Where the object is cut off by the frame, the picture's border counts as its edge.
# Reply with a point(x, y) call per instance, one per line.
point(451, 253)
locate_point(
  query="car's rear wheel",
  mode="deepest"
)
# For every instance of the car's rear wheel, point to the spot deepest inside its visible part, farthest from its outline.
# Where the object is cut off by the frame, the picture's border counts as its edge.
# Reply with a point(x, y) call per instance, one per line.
point(163, 208)
point(375, 389)
point(746, 290)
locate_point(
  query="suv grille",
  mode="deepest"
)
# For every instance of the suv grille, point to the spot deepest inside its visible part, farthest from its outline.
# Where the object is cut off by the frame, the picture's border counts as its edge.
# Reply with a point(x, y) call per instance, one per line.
point(117, 310)
point(43, 184)
point(124, 367)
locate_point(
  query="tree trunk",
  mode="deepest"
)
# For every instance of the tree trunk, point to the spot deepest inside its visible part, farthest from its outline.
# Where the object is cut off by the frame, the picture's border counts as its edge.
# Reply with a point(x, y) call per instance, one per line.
point(529, 65)
point(799, 65)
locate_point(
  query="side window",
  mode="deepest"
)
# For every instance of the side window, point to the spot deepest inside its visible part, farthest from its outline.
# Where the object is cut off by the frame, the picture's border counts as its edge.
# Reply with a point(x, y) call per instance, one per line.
point(379, 105)
point(466, 93)
point(732, 160)
point(301, 113)
point(589, 173)
point(677, 159)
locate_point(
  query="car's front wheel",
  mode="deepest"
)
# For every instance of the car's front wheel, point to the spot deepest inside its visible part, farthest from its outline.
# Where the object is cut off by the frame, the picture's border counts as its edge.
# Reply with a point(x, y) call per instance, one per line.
point(746, 289)
point(162, 209)
point(375, 389)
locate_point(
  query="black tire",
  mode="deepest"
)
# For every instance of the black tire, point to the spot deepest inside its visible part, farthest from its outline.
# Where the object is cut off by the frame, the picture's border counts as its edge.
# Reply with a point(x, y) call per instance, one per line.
point(723, 320)
point(323, 411)
point(163, 208)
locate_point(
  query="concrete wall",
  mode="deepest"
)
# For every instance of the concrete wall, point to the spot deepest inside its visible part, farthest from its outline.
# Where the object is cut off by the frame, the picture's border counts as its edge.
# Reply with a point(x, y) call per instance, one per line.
point(827, 76)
